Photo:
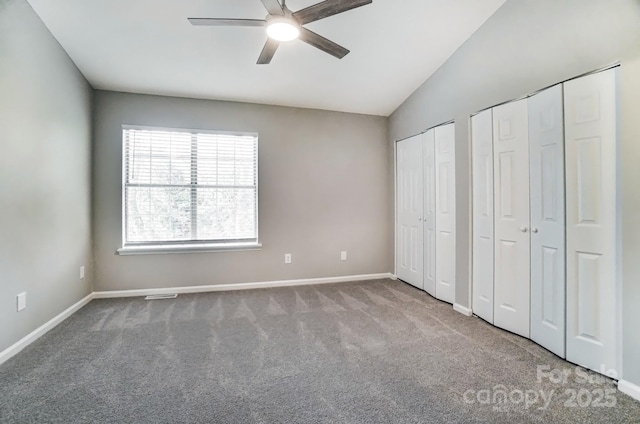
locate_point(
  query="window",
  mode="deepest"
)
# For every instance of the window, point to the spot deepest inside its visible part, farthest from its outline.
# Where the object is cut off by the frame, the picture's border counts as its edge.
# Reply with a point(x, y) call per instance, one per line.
point(189, 188)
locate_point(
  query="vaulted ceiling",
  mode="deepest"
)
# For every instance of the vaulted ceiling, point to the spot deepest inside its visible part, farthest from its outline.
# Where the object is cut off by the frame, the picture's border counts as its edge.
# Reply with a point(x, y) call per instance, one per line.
point(148, 46)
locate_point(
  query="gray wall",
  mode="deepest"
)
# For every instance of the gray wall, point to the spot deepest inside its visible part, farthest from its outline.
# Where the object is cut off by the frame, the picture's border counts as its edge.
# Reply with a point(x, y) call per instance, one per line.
point(45, 119)
point(525, 46)
point(630, 156)
point(323, 188)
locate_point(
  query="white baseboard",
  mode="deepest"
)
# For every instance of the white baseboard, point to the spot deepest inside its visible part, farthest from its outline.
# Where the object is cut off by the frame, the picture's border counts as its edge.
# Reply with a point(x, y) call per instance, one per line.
point(462, 309)
point(629, 388)
point(236, 286)
point(42, 330)
point(393, 277)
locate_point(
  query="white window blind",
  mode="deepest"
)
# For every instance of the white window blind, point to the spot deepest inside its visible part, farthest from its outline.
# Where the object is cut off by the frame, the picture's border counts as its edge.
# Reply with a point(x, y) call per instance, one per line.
point(182, 186)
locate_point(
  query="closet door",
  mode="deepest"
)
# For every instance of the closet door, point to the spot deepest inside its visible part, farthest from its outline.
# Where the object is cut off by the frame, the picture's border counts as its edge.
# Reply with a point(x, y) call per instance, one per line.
point(482, 163)
point(409, 249)
point(591, 166)
point(511, 211)
point(546, 149)
point(429, 219)
point(445, 213)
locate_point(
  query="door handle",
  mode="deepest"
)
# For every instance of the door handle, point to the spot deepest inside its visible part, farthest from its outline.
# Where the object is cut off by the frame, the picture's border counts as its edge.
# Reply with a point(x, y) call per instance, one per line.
point(534, 230)
point(523, 229)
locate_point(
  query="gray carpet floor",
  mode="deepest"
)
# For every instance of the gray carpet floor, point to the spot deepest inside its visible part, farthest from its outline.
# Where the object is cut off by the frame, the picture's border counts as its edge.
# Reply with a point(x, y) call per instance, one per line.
point(363, 352)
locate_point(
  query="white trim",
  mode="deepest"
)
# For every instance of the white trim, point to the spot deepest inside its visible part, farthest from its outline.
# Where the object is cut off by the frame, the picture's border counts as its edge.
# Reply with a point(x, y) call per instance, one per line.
point(394, 277)
point(12, 350)
point(181, 129)
point(462, 309)
point(619, 235)
point(237, 286)
point(187, 248)
point(470, 215)
point(395, 209)
point(629, 388)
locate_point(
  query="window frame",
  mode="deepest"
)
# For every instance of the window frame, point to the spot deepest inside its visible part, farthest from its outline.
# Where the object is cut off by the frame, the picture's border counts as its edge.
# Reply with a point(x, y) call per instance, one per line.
point(185, 246)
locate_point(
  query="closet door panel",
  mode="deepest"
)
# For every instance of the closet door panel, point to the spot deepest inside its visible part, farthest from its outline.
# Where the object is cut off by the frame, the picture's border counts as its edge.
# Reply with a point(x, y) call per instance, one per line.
point(546, 147)
point(409, 249)
point(591, 182)
point(511, 212)
point(482, 163)
point(429, 220)
point(445, 212)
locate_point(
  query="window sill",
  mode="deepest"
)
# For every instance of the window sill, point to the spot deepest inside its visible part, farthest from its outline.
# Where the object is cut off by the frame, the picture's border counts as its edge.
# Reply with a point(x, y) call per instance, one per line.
point(187, 248)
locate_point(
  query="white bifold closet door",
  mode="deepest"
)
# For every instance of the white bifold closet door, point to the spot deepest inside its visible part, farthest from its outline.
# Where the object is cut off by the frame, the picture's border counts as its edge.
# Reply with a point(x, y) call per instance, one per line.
point(511, 210)
point(546, 149)
point(591, 177)
point(409, 251)
point(429, 219)
point(445, 212)
point(482, 163)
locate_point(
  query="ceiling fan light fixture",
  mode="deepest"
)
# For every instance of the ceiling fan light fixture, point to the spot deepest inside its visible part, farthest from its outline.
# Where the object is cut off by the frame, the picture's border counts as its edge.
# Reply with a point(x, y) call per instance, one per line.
point(283, 29)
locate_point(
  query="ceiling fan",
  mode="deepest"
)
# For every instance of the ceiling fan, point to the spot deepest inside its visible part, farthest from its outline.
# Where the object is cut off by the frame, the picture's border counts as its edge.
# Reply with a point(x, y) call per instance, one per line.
point(284, 25)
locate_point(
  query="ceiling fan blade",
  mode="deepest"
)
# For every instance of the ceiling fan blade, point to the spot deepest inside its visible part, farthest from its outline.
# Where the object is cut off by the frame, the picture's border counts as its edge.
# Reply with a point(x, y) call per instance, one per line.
point(327, 8)
point(273, 7)
point(227, 22)
point(268, 51)
point(322, 43)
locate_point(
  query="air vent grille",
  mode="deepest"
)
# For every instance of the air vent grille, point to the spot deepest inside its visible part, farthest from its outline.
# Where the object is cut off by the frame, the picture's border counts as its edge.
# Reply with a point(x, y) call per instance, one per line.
point(161, 296)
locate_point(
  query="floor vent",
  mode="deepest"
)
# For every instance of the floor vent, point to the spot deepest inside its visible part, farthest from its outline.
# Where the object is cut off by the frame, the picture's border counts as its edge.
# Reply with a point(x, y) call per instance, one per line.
point(161, 296)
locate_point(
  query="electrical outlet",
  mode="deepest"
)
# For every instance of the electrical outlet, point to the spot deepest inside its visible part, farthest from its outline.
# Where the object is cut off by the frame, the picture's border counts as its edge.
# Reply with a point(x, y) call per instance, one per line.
point(82, 272)
point(22, 301)
point(287, 258)
point(343, 255)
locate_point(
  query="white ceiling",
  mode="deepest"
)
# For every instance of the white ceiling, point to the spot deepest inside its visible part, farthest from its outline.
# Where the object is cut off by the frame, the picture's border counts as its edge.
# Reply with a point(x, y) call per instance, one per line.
point(147, 46)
